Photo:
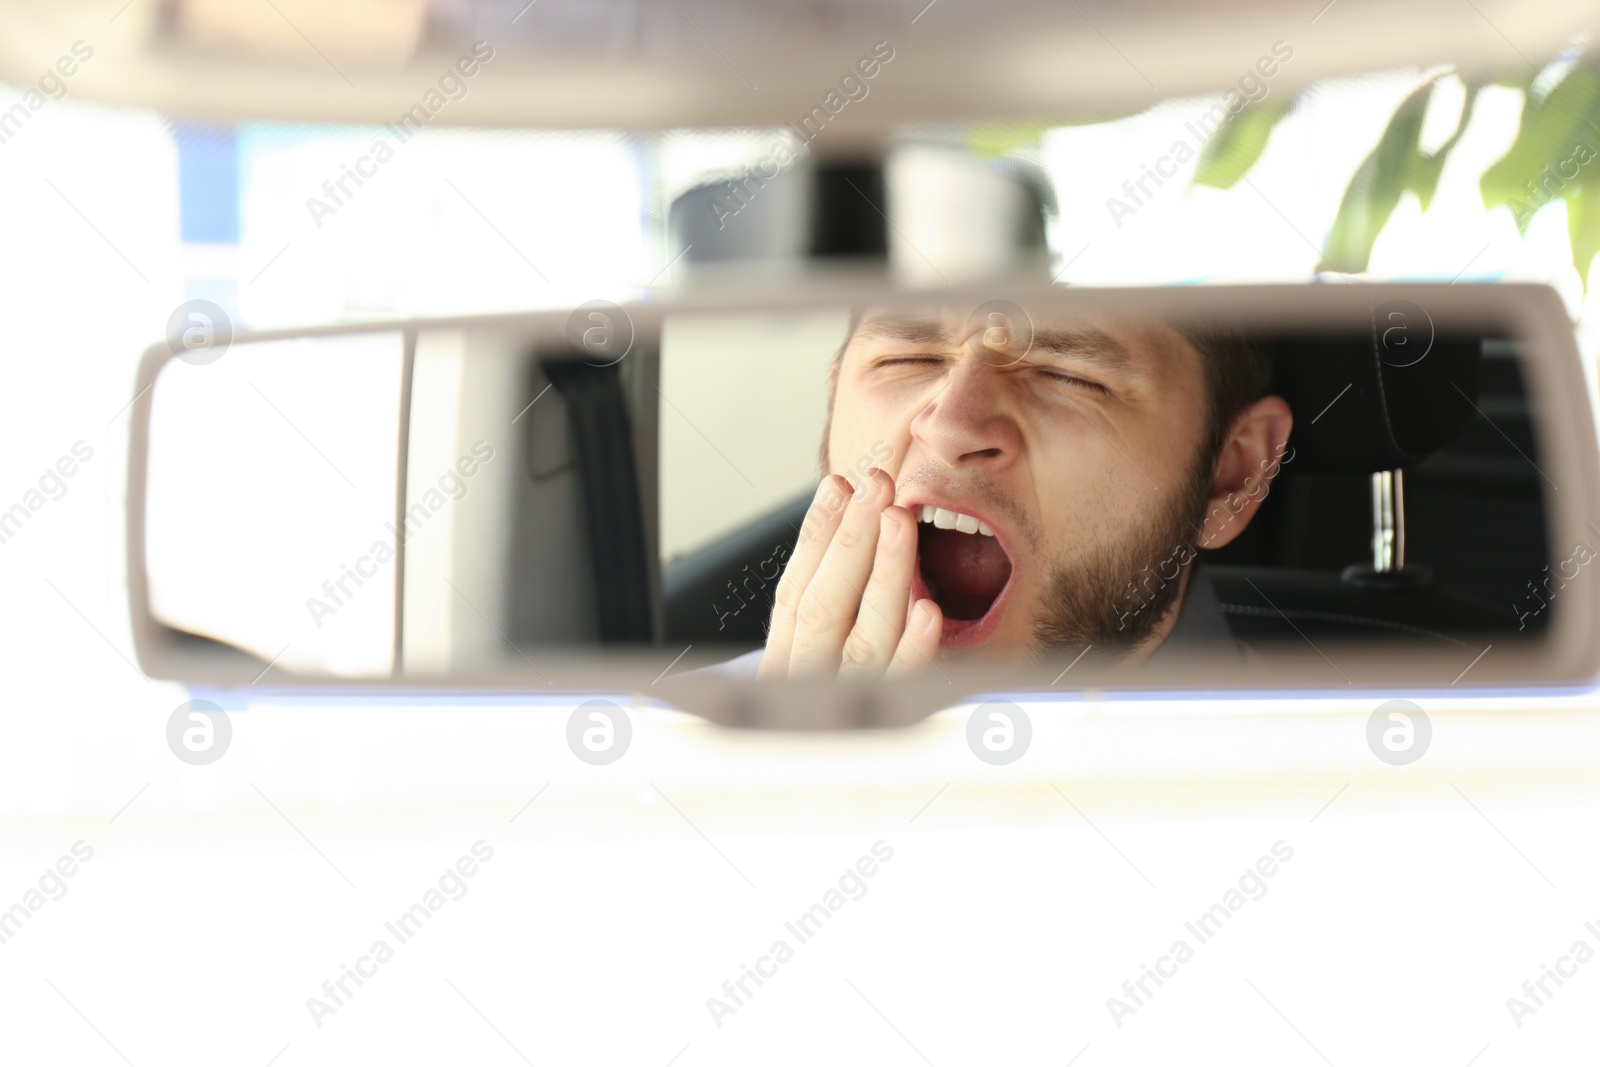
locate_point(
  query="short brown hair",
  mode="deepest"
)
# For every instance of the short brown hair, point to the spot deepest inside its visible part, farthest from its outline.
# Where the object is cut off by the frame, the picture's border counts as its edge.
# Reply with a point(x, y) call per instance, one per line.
point(1238, 372)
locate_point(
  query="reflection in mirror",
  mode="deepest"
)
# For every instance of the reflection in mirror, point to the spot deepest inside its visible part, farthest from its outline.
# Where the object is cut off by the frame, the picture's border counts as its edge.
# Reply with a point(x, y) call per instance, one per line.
point(1041, 482)
point(1059, 484)
point(265, 467)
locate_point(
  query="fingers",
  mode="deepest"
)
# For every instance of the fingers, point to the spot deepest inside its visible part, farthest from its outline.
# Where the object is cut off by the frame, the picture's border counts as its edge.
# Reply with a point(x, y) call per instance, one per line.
point(828, 608)
point(920, 642)
point(840, 606)
point(816, 532)
point(871, 643)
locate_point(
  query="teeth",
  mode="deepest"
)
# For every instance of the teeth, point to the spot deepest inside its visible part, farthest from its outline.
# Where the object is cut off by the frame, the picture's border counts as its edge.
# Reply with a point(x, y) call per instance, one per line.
point(945, 519)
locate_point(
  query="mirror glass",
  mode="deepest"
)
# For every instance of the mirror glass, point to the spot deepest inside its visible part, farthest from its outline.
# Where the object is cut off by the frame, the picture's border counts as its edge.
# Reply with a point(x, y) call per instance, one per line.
point(266, 464)
point(1068, 484)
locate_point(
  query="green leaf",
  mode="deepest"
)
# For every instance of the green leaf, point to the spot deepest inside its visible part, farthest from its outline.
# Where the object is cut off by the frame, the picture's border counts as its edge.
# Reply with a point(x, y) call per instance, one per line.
point(1230, 154)
point(1553, 158)
point(996, 140)
point(1383, 176)
point(1548, 136)
point(1583, 227)
point(1423, 176)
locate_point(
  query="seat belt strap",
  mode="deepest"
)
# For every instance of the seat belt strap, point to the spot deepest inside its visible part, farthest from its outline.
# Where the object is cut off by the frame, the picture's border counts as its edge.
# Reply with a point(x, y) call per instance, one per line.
point(602, 449)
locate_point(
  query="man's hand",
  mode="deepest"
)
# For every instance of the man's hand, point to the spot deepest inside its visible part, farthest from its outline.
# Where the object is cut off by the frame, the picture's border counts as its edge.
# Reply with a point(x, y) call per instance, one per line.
point(841, 606)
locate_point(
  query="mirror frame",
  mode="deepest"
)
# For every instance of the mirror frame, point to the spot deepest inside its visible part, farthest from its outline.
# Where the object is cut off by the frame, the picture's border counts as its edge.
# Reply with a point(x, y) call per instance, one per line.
point(1567, 657)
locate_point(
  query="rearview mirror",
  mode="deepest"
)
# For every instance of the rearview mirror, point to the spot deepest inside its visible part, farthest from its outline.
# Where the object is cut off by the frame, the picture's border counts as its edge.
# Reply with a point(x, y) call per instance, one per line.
point(606, 498)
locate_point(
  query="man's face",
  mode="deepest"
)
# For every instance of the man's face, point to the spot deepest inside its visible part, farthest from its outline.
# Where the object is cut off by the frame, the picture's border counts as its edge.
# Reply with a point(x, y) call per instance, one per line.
point(1081, 452)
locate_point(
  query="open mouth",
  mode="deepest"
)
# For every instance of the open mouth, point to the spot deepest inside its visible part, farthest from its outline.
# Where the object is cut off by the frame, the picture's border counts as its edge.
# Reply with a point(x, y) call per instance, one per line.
point(962, 567)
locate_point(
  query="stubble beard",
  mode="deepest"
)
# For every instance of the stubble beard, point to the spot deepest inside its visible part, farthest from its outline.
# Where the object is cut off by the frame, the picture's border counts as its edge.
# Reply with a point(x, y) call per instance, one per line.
point(1114, 600)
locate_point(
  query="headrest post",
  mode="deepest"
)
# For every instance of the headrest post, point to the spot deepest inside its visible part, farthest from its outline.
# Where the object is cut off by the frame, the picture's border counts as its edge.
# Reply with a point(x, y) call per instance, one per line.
point(1388, 568)
point(1388, 521)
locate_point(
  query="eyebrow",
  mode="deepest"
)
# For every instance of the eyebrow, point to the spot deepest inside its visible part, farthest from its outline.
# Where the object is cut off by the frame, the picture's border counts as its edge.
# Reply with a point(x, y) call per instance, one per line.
point(1094, 347)
point(1088, 346)
point(911, 330)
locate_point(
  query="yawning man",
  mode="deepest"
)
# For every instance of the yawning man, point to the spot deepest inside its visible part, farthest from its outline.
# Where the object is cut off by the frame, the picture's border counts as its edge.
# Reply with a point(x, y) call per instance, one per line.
point(1047, 485)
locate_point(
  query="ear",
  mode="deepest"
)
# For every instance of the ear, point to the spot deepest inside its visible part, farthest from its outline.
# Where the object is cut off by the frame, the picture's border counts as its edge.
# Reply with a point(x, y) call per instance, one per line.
point(1246, 464)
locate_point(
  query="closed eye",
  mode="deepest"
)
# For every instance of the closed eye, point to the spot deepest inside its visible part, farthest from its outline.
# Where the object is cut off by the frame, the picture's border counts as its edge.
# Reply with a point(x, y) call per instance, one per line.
point(1074, 380)
point(911, 363)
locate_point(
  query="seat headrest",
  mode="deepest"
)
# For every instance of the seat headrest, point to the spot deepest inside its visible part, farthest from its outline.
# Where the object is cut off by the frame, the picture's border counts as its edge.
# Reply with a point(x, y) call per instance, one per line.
point(1373, 403)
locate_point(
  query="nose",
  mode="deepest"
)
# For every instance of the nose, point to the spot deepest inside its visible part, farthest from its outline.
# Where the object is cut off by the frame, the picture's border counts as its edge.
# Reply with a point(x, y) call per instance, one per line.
point(967, 423)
